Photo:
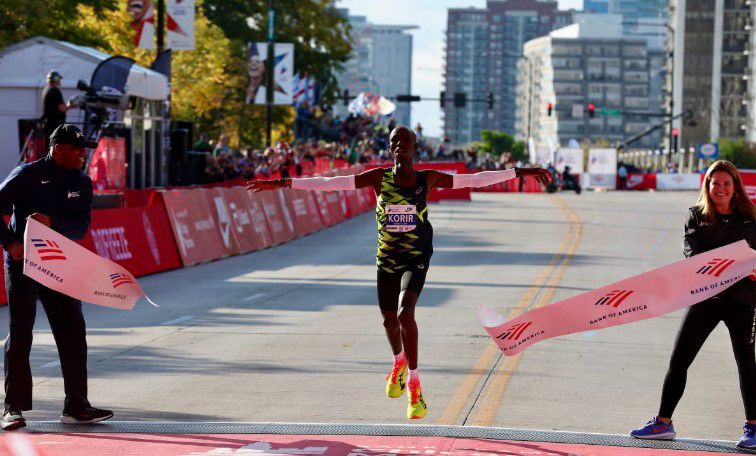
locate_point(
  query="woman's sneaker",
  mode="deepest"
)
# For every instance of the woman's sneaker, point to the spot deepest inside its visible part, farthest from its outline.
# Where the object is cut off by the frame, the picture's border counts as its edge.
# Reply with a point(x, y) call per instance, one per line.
point(748, 441)
point(656, 430)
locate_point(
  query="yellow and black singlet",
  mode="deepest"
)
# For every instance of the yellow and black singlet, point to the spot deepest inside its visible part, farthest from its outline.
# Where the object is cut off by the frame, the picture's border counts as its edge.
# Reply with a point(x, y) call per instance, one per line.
point(405, 235)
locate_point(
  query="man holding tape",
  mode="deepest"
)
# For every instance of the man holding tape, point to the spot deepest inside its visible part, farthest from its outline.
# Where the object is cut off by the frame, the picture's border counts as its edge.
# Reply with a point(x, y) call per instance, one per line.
point(55, 192)
point(405, 247)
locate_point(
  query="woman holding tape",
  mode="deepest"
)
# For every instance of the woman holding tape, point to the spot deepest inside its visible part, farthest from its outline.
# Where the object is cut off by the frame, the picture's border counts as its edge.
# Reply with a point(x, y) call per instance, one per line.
point(723, 214)
point(405, 245)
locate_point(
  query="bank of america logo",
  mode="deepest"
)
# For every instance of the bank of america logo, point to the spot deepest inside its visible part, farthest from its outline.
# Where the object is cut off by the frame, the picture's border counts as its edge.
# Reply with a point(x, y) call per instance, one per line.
point(715, 266)
point(614, 298)
point(48, 250)
point(119, 279)
point(515, 332)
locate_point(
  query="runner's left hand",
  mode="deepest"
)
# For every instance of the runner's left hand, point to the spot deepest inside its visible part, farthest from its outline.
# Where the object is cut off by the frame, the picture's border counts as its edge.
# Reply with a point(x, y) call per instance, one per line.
point(541, 175)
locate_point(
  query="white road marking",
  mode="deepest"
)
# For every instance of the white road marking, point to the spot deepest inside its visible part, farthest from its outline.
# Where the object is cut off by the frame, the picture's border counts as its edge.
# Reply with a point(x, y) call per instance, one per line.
point(254, 296)
point(50, 364)
point(176, 321)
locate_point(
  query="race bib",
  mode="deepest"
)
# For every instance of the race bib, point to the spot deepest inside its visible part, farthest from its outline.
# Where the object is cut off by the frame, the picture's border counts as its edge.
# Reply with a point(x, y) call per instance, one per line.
point(401, 218)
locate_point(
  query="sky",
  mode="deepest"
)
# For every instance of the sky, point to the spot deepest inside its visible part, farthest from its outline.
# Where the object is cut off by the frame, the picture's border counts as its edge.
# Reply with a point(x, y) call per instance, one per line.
point(427, 53)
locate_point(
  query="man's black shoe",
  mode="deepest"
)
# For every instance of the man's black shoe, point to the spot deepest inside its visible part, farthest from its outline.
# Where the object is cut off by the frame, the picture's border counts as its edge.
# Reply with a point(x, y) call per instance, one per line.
point(12, 419)
point(88, 415)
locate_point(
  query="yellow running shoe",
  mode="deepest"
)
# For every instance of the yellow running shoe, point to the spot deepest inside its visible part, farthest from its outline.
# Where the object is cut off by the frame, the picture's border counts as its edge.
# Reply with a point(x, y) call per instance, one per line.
point(396, 381)
point(416, 408)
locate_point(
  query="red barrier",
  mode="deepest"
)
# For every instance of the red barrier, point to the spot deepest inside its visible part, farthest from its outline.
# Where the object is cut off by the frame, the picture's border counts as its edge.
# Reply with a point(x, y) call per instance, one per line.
point(639, 182)
point(302, 209)
point(334, 202)
point(107, 167)
point(139, 239)
point(219, 210)
point(328, 218)
point(242, 230)
point(259, 222)
point(749, 180)
point(197, 238)
point(277, 214)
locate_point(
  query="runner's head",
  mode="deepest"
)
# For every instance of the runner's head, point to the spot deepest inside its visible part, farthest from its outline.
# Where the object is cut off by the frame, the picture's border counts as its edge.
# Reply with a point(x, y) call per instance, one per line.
point(402, 143)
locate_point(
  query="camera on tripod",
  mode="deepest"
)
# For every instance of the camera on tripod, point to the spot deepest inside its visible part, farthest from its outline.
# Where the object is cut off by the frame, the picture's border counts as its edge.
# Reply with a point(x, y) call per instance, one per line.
point(96, 100)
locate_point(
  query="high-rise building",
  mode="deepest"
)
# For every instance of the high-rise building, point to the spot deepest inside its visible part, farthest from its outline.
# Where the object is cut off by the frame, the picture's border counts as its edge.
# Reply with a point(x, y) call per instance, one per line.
point(380, 63)
point(713, 69)
point(482, 49)
point(589, 66)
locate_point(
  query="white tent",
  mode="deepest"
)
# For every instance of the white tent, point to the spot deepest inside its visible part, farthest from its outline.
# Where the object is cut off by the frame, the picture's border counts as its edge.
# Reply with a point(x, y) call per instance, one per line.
point(23, 68)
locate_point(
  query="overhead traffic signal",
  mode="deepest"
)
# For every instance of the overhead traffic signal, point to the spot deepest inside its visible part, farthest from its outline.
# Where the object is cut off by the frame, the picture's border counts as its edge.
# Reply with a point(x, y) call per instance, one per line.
point(442, 98)
point(460, 99)
point(490, 100)
point(591, 110)
point(345, 95)
point(549, 108)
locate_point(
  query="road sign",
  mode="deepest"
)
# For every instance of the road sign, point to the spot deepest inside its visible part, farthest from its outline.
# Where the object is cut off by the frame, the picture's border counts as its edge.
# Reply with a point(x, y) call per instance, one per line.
point(611, 112)
point(708, 151)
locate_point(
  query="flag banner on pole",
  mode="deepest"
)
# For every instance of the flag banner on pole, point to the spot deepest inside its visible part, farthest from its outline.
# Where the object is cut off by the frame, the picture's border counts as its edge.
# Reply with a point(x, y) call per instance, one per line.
point(62, 265)
point(658, 292)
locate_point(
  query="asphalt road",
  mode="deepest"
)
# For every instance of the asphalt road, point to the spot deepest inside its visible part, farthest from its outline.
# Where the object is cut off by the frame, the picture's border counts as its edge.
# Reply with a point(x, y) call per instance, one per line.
point(293, 333)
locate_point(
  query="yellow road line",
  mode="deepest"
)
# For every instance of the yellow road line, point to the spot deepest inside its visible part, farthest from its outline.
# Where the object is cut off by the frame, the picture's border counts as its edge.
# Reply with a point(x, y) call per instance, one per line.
point(460, 398)
point(491, 402)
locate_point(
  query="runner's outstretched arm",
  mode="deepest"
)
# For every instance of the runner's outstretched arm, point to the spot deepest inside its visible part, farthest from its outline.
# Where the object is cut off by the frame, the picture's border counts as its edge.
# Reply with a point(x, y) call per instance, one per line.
point(370, 178)
point(439, 179)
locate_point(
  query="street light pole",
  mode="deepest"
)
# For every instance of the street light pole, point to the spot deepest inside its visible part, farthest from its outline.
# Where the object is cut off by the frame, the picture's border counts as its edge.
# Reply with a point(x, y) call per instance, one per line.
point(269, 74)
point(671, 87)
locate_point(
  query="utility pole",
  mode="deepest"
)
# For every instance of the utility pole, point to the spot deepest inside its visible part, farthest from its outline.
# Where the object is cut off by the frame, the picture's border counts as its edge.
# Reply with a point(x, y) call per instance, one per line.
point(160, 25)
point(269, 72)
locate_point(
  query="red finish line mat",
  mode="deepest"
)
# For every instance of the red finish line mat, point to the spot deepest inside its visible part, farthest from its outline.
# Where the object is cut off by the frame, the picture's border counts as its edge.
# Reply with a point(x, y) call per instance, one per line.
point(269, 439)
point(321, 445)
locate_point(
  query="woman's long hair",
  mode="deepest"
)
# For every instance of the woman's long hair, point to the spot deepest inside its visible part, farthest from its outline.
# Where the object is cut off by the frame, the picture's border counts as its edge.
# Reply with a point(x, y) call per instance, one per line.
point(739, 202)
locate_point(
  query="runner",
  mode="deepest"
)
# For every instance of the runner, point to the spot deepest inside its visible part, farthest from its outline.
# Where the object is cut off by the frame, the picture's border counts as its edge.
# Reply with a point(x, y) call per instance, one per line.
point(405, 244)
point(722, 215)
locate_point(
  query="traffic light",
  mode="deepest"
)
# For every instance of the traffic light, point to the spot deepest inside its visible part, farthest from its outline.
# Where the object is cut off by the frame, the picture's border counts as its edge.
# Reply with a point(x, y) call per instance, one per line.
point(549, 108)
point(490, 100)
point(675, 136)
point(591, 110)
point(460, 99)
point(346, 97)
point(442, 98)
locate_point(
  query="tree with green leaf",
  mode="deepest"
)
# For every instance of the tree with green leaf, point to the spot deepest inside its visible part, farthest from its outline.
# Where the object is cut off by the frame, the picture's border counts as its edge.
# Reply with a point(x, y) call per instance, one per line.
point(738, 152)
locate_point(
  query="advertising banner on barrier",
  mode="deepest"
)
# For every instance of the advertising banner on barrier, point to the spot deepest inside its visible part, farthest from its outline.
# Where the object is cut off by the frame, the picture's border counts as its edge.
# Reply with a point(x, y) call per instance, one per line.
point(602, 168)
point(302, 209)
point(259, 222)
point(107, 168)
point(640, 181)
point(749, 180)
point(569, 157)
point(324, 209)
point(197, 238)
point(677, 181)
point(137, 238)
point(277, 214)
point(216, 198)
point(241, 229)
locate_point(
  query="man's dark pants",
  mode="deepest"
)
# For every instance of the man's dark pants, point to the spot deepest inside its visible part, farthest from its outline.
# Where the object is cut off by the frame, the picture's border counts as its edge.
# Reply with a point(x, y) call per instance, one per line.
point(68, 328)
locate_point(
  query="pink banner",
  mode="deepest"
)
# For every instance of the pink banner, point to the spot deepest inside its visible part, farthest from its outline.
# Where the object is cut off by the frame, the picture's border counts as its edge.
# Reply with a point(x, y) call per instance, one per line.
point(658, 292)
point(64, 266)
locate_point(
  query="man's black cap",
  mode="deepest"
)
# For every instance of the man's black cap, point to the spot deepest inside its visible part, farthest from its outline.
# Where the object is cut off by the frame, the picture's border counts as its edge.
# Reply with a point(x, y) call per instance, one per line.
point(70, 134)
